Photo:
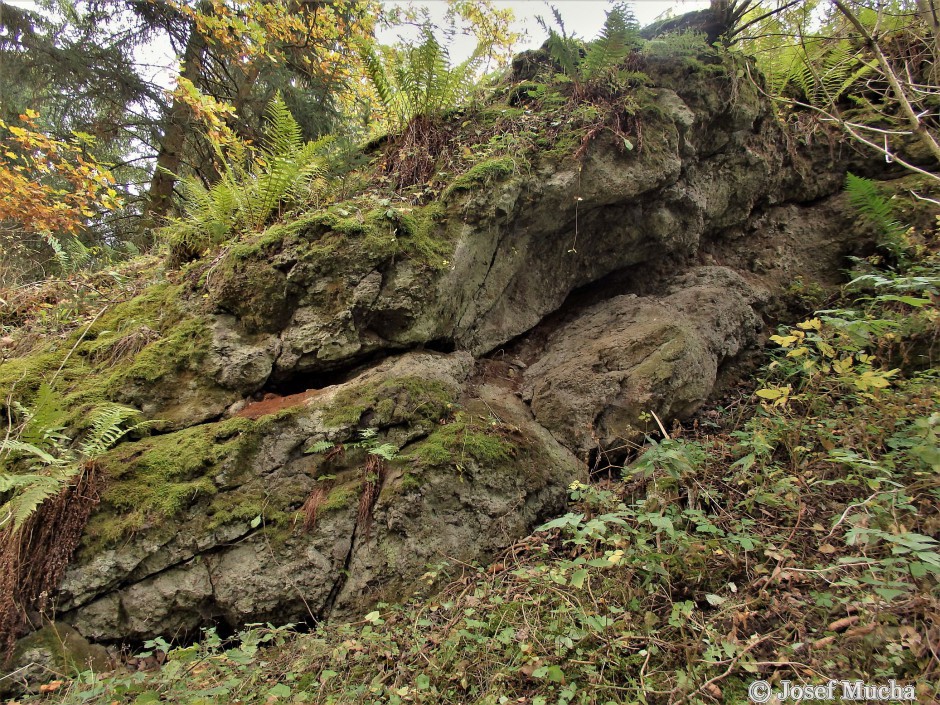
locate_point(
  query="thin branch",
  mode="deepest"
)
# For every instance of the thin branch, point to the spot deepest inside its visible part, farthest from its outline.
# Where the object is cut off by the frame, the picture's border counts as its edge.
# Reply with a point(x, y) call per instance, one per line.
point(912, 117)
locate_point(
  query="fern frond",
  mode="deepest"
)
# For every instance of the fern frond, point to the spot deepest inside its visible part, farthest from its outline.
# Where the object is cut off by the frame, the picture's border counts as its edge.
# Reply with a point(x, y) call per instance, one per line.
point(873, 207)
point(43, 423)
point(13, 446)
point(386, 451)
point(566, 51)
point(419, 79)
point(613, 45)
point(319, 447)
point(33, 490)
point(108, 426)
point(282, 134)
point(368, 434)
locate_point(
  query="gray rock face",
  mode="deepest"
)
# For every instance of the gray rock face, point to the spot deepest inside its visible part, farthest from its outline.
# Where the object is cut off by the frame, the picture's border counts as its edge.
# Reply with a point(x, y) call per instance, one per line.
point(174, 581)
point(631, 281)
point(629, 356)
point(54, 649)
point(522, 246)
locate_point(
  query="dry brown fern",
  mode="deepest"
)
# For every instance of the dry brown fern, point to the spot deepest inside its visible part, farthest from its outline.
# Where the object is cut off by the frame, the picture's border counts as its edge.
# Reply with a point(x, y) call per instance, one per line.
point(33, 557)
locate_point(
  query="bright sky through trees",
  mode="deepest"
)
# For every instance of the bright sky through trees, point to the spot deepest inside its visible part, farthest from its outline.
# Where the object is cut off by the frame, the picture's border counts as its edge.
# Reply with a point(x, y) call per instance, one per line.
point(582, 17)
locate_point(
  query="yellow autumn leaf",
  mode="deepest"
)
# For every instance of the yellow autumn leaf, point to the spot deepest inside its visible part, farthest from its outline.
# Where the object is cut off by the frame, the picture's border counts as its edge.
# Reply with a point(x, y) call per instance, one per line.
point(844, 365)
point(784, 341)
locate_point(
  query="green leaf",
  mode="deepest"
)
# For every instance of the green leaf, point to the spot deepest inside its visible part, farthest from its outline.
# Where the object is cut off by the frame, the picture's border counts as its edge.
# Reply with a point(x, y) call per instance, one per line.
point(578, 578)
point(889, 593)
point(423, 681)
point(318, 447)
point(281, 690)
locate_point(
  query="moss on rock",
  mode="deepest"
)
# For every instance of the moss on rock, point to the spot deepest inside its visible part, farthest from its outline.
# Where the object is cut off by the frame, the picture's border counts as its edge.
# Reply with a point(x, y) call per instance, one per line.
point(482, 174)
point(393, 401)
point(102, 361)
point(255, 292)
point(157, 478)
point(463, 439)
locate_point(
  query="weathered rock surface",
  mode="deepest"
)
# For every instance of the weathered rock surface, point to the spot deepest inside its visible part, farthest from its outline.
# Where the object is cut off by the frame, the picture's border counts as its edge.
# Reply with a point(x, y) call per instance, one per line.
point(630, 355)
point(709, 165)
point(54, 650)
point(464, 508)
point(631, 282)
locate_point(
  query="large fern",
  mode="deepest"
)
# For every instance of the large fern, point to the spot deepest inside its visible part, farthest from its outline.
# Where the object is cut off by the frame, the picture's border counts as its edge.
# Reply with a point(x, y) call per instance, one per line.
point(255, 184)
point(419, 79)
point(46, 459)
point(586, 64)
point(618, 35)
point(564, 48)
point(875, 209)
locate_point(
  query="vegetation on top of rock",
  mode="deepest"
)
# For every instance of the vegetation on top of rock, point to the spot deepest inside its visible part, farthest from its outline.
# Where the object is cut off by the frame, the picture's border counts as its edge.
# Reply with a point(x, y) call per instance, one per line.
point(255, 184)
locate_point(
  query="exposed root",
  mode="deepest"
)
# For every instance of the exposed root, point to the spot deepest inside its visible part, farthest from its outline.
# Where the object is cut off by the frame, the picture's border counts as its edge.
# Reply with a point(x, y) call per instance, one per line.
point(312, 508)
point(413, 157)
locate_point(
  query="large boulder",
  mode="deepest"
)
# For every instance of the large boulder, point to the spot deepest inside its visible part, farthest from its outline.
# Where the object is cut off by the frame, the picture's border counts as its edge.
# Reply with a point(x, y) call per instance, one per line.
point(242, 546)
point(371, 389)
point(605, 373)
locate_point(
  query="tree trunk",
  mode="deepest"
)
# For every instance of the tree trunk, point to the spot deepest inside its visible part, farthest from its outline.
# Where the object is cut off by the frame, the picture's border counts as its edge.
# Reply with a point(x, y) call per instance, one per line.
point(178, 120)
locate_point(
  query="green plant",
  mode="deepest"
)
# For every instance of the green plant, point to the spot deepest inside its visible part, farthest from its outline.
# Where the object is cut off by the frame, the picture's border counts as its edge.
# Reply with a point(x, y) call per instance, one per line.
point(45, 454)
point(255, 184)
point(419, 79)
point(589, 64)
point(877, 211)
point(373, 474)
point(816, 71)
point(49, 488)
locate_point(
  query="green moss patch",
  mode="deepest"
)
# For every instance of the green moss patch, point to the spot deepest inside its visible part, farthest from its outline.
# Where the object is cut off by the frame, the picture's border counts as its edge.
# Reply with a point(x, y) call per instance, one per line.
point(342, 497)
point(95, 363)
point(159, 477)
point(394, 401)
point(255, 292)
point(464, 439)
point(482, 174)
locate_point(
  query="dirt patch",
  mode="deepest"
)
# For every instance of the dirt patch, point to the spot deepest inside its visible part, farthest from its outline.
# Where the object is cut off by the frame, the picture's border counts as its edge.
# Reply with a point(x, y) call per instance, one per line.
point(272, 403)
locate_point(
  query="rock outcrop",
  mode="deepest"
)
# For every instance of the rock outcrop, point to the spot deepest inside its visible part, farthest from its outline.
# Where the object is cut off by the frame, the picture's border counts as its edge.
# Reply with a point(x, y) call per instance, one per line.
point(436, 376)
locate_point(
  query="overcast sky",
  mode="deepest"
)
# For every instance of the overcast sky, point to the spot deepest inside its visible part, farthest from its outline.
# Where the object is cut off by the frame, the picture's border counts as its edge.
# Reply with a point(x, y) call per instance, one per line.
point(582, 17)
